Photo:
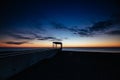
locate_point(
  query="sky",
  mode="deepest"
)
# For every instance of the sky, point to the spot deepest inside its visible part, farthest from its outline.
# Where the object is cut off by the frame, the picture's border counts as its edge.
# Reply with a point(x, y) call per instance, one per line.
point(75, 23)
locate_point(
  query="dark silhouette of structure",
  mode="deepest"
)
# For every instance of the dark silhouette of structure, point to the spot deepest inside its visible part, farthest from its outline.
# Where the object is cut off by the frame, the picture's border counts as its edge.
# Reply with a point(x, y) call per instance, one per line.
point(57, 43)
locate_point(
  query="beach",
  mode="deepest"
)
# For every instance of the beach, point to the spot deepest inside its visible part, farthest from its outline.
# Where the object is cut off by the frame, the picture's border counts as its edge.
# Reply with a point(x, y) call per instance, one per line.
point(74, 65)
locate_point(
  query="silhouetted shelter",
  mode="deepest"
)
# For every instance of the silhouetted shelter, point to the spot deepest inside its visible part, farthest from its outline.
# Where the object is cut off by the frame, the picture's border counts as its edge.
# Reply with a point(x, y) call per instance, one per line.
point(57, 43)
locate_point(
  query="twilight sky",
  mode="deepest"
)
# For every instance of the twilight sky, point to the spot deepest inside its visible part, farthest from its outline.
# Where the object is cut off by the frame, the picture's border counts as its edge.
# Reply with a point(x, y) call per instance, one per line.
point(77, 23)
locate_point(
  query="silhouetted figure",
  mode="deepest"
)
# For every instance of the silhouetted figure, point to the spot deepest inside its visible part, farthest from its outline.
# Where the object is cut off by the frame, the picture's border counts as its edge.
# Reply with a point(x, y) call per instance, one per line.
point(57, 43)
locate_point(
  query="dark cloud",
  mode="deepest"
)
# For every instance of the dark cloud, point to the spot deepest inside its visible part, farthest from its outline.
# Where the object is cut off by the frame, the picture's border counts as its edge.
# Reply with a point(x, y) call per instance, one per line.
point(29, 35)
point(61, 26)
point(33, 36)
point(18, 36)
point(96, 28)
point(74, 29)
point(83, 32)
point(49, 38)
point(100, 26)
point(15, 42)
point(41, 37)
point(22, 31)
point(103, 26)
point(115, 32)
point(36, 35)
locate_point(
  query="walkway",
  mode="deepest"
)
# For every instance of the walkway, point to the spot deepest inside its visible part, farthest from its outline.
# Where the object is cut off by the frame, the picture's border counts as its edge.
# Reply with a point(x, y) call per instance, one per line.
point(74, 66)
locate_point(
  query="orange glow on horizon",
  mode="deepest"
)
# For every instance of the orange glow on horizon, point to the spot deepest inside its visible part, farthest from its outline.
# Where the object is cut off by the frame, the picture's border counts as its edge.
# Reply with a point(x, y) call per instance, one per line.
point(100, 44)
point(95, 44)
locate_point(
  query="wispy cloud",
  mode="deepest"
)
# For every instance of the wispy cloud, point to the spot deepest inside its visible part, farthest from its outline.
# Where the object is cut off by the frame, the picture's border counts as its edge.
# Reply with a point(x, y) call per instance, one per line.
point(100, 26)
point(40, 37)
point(114, 32)
point(19, 36)
point(33, 36)
point(96, 28)
point(83, 32)
point(16, 42)
point(50, 38)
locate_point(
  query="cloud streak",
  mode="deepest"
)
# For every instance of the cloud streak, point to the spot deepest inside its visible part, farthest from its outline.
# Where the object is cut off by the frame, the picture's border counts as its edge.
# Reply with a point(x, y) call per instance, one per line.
point(33, 36)
point(18, 36)
point(100, 26)
point(115, 32)
point(50, 38)
point(16, 42)
point(95, 29)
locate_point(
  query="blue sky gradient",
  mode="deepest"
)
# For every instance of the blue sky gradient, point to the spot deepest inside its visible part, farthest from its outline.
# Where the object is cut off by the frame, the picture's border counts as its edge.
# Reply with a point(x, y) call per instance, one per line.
point(77, 23)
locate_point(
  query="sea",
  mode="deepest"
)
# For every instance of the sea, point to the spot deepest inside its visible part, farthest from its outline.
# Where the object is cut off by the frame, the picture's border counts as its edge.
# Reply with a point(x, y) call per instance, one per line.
point(106, 49)
point(95, 49)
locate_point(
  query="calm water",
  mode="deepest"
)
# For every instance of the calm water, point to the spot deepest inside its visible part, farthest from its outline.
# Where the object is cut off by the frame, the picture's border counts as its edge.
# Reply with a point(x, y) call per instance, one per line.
point(110, 50)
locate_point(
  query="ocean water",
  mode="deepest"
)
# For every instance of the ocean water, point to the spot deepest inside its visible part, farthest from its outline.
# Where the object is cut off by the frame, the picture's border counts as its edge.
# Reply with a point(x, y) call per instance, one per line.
point(109, 50)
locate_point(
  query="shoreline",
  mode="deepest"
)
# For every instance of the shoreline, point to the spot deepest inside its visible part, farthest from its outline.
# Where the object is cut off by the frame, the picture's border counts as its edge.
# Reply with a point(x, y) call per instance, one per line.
point(90, 52)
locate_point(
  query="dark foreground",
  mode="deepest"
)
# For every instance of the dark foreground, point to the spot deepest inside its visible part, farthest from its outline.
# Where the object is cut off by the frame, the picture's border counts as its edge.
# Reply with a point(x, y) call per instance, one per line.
point(74, 66)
